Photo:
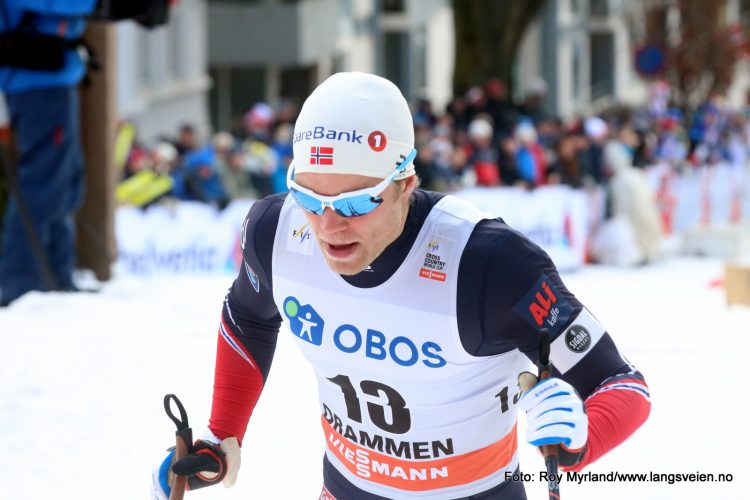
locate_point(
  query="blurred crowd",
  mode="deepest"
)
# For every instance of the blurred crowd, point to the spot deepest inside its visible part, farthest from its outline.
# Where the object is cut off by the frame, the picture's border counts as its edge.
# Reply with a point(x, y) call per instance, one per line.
point(248, 162)
point(481, 138)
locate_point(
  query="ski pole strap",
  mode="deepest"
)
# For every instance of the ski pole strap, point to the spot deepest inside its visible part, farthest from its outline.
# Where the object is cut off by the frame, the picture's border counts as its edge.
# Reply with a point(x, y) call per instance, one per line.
point(544, 348)
point(182, 422)
point(183, 443)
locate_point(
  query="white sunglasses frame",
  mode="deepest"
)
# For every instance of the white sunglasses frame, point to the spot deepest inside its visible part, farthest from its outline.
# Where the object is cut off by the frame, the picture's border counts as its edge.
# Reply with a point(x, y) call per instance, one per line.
point(374, 191)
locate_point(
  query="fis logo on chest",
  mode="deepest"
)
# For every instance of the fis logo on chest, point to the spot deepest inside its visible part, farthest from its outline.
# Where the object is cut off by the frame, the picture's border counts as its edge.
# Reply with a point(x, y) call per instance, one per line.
point(303, 233)
point(328, 133)
point(545, 307)
point(299, 236)
point(307, 325)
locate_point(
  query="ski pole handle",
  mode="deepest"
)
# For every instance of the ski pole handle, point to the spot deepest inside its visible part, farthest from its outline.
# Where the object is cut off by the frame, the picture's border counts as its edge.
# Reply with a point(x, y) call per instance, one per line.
point(550, 451)
point(527, 381)
point(183, 444)
point(551, 458)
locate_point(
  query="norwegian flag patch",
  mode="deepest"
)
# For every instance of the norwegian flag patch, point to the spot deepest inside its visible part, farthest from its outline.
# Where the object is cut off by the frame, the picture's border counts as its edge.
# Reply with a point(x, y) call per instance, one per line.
point(321, 155)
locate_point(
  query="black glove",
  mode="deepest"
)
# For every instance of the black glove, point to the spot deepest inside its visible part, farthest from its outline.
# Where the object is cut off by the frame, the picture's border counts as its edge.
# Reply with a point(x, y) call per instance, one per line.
point(205, 465)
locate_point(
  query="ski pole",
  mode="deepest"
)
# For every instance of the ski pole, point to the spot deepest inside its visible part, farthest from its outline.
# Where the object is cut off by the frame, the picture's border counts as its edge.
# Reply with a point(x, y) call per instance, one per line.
point(37, 249)
point(527, 381)
point(184, 440)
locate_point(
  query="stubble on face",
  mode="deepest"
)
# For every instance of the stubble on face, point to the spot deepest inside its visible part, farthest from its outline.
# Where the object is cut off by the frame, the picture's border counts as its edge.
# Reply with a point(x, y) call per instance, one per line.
point(349, 245)
point(372, 240)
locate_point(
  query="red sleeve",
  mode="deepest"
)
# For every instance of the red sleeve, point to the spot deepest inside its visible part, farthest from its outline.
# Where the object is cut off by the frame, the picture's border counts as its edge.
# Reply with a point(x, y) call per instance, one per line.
point(615, 410)
point(249, 326)
point(238, 382)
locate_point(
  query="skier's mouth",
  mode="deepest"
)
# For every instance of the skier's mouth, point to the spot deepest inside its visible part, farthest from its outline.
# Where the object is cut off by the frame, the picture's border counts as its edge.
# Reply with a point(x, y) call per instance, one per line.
point(342, 251)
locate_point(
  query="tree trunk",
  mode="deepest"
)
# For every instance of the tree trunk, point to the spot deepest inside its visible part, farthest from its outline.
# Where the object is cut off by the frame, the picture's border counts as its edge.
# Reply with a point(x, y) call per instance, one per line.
point(95, 221)
point(701, 55)
point(488, 33)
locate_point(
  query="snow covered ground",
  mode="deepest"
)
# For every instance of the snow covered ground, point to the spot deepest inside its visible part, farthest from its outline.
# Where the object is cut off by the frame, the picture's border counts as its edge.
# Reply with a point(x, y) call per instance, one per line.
point(82, 379)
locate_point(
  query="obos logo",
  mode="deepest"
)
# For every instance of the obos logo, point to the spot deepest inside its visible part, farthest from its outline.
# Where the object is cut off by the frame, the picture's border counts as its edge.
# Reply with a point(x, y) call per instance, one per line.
point(308, 325)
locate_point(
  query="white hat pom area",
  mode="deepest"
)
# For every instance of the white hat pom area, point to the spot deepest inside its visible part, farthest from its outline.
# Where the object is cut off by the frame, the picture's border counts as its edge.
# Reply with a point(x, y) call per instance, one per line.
point(354, 123)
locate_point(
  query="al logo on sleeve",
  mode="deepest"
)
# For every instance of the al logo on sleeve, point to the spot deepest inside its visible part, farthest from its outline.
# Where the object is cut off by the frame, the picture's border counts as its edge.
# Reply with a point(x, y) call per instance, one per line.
point(545, 307)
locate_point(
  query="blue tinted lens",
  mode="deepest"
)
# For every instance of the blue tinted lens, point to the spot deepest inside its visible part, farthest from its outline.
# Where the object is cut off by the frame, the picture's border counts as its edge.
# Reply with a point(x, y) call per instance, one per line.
point(354, 206)
point(307, 202)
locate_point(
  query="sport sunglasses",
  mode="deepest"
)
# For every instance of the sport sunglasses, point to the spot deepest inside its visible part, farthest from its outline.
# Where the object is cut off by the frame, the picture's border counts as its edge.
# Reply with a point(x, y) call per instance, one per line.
point(351, 204)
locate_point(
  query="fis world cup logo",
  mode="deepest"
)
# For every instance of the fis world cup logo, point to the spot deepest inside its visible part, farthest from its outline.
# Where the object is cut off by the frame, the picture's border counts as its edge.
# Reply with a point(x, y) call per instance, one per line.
point(436, 259)
point(304, 321)
point(302, 233)
point(299, 234)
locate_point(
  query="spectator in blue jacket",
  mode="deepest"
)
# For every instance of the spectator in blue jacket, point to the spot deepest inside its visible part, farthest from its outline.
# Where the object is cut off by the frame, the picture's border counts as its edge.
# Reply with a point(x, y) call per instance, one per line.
point(202, 179)
point(42, 100)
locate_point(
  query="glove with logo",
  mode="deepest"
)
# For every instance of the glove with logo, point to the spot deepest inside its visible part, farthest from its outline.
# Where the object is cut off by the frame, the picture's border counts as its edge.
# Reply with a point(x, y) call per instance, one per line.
point(555, 415)
point(208, 463)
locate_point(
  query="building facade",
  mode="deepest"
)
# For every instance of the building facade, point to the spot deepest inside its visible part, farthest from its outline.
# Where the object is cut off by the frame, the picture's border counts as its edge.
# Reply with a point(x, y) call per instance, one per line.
point(162, 74)
point(269, 50)
point(584, 50)
point(216, 58)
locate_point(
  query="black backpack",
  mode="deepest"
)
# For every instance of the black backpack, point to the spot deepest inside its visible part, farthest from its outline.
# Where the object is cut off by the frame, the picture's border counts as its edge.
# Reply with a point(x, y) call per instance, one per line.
point(147, 13)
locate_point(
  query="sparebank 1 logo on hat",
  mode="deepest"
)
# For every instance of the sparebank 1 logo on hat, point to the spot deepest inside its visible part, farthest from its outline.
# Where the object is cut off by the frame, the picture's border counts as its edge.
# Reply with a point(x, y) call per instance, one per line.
point(377, 141)
point(364, 117)
point(320, 132)
point(304, 321)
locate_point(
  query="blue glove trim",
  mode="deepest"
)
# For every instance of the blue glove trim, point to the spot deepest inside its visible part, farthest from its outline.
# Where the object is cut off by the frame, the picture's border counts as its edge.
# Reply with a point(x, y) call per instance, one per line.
point(551, 440)
point(569, 424)
point(556, 409)
point(561, 393)
point(164, 474)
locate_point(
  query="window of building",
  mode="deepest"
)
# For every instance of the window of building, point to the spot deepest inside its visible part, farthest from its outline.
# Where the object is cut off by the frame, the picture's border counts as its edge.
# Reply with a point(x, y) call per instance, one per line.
point(235, 1)
point(298, 81)
point(175, 41)
point(598, 8)
point(577, 83)
point(396, 59)
point(745, 13)
point(393, 6)
point(235, 90)
point(602, 47)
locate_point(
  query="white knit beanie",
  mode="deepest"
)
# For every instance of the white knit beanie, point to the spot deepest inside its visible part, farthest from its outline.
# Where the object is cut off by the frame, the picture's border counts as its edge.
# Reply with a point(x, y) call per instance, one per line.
point(354, 123)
